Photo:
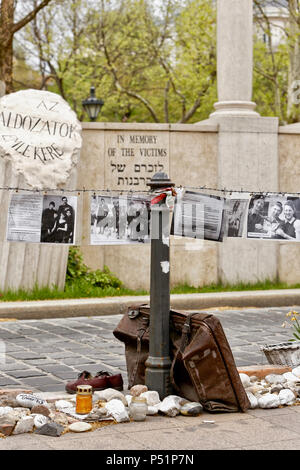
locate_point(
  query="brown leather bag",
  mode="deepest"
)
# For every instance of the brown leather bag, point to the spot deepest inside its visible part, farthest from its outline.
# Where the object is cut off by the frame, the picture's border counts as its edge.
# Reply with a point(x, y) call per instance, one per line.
point(203, 367)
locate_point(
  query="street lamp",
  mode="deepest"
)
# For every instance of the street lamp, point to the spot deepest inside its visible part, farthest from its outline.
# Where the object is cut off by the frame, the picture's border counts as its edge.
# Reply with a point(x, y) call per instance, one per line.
point(92, 105)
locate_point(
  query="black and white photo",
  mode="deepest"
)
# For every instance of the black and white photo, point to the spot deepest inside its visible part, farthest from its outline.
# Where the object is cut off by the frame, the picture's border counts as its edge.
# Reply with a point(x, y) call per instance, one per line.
point(275, 217)
point(237, 211)
point(58, 219)
point(199, 216)
point(119, 220)
point(40, 218)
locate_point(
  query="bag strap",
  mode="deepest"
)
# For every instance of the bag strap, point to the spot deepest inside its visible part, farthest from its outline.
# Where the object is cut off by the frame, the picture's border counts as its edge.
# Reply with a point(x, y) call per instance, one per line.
point(140, 333)
point(186, 329)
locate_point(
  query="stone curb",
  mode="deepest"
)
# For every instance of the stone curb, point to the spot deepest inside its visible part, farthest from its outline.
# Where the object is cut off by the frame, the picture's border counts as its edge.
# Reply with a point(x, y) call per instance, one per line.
point(118, 305)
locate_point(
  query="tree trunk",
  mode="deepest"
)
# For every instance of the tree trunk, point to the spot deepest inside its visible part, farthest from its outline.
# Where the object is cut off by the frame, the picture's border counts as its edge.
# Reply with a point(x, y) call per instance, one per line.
point(6, 41)
point(7, 30)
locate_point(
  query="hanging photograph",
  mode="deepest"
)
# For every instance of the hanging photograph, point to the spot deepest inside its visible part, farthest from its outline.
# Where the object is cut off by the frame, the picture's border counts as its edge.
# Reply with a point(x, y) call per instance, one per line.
point(41, 219)
point(237, 215)
point(24, 218)
point(58, 219)
point(119, 220)
point(199, 216)
point(275, 217)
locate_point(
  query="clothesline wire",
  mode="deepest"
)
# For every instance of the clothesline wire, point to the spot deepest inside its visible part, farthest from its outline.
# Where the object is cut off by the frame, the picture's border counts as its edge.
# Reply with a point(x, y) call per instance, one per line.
point(140, 191)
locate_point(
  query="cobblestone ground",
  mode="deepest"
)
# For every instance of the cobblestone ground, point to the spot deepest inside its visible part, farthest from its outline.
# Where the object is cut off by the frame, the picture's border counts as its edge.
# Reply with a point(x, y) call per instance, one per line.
point(42, 355)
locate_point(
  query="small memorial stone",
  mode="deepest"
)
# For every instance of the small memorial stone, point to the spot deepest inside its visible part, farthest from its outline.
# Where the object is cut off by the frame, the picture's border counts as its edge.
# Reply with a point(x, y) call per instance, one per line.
point(40, 420)
point(80, 427)
point(24, 425)
point(28, 400)
point(136, 390)
point(152, 397)
point(191, 409)
point(50, 429)
point(41, 410)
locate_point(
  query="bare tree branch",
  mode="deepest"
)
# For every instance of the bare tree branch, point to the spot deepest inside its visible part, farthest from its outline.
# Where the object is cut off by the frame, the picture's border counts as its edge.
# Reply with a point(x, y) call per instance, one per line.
point(24, 21)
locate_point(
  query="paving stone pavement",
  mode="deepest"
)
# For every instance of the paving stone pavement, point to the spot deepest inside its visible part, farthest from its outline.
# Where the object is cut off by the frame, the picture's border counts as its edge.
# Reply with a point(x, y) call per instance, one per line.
point(43, 355)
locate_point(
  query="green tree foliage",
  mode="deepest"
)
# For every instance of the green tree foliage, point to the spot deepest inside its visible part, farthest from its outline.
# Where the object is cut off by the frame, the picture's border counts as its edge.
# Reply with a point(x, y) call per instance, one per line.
point(270, 80)
point(277, 68)
point(147, 63)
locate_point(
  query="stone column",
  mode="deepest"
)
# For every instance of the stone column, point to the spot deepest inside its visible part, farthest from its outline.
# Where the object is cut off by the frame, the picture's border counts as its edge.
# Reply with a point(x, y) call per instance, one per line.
point(247, 142)
point(234, 57)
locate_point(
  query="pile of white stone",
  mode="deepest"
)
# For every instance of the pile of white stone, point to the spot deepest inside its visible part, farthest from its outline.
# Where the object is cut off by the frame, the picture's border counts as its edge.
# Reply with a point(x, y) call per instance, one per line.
point(274, 390)
point(25, 412)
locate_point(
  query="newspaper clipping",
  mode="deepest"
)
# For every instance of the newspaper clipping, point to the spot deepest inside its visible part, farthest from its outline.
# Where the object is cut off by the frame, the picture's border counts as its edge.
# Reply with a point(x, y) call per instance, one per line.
point(275, 217)
point(119, 220)
point(199, 216)
point(42, 219)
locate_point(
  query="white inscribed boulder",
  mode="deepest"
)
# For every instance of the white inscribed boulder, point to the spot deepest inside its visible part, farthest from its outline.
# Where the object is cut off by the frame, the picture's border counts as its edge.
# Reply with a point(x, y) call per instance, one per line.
point(269, 400)
point(152, 397)
point(245, 379)
point(117, 410)
point(286, 397)
point(24, 425)
point(252, 399)
point(40, 135)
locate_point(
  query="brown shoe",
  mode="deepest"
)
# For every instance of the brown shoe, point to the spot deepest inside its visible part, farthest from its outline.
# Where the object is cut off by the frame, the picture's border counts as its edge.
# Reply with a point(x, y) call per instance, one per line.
point(85, 378)
point(113, 381)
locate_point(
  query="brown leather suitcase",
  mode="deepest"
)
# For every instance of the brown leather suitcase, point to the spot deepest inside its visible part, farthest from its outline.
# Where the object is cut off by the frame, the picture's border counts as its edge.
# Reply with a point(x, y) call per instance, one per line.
point(203, 368)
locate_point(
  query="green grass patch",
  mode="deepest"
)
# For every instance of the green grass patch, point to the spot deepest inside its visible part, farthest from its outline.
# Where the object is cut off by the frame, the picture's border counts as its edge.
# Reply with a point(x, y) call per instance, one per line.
point(82, 282)
point(265, 285)
point(83, 288)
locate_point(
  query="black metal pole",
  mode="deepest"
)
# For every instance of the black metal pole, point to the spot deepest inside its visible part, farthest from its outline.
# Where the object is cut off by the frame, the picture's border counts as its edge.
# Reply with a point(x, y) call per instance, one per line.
point(159, 363)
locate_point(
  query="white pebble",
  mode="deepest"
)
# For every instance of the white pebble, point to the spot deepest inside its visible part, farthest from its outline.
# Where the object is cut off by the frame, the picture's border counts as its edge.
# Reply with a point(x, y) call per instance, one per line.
point(269, 400)
point(5, 409)
point(286, 397)
point(275, 379)
point(245, 379)
point(152, 397)
point(60, 405)
point(80, 427)
point(296, 371)
point(252, 399)
point(117, 410)
point(290, 377)
point(24, 425)
point(39, 420)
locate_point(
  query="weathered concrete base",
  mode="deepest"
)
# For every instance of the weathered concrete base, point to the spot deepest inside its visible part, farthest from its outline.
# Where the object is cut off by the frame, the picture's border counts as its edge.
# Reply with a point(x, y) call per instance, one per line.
point(24, 265)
